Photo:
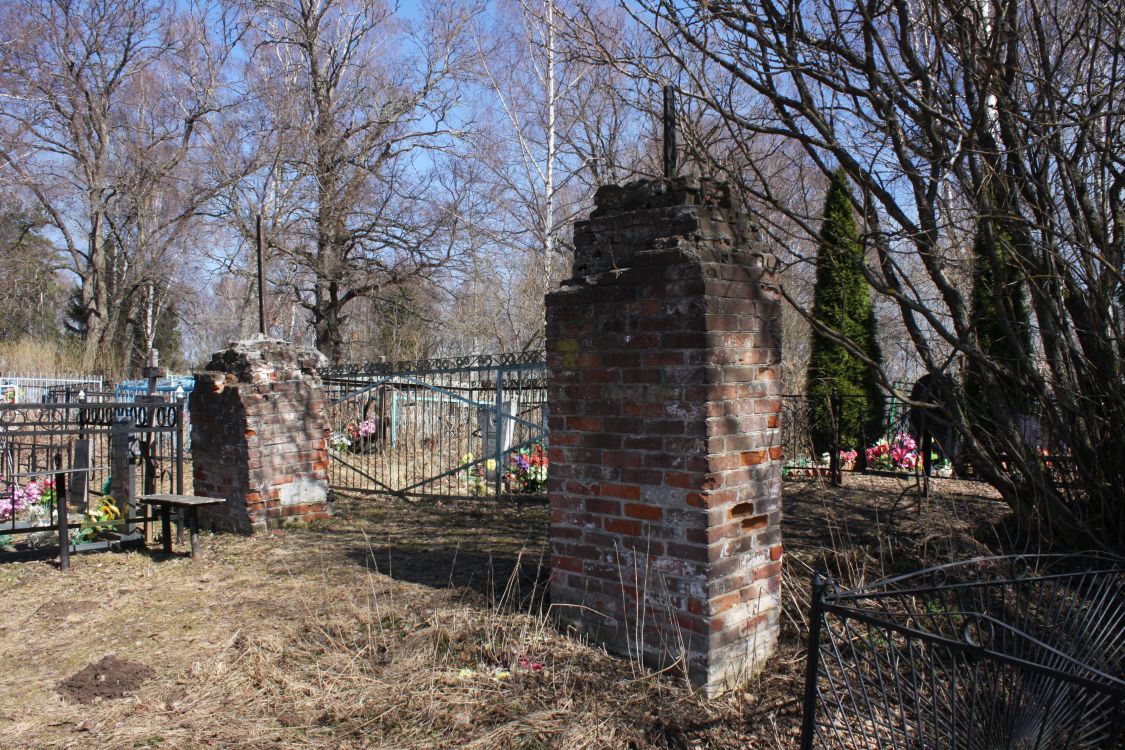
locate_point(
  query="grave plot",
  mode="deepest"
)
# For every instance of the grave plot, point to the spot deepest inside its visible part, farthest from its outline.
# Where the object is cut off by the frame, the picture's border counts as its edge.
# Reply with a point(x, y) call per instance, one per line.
point(72, 471)
point(468, 427)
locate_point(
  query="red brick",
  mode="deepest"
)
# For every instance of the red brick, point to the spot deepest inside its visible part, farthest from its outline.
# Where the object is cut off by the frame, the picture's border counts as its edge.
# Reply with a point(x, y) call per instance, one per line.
point(756, 523)
point(720, 604)
point(584, 424)
point(642, 511)
point(578, 488)
point(627, 425)
point(681, 479)
point(622, 526)
point(588, 359)
point(642, 476)
point(641, 375)
point(621, 459)
point(564, 562)
point(642, 409)
point(664, 426)
point(663, 359)
point(623, 491)
point(724, 462)
point(564, 533)
point(642, 442)
point(752, 458)
point(601, 376)
point(768, 571)
point(606, 507)
point(691, 622)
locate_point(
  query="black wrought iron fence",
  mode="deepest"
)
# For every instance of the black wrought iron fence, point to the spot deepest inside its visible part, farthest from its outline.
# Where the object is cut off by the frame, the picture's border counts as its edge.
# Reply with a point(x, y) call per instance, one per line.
point(465, 427)
point(813, 442)
point(69, 472)
point(1003, 653)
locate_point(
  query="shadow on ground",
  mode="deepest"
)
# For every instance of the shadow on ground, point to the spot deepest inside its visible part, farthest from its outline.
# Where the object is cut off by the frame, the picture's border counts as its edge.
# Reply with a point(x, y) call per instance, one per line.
point(496, 548)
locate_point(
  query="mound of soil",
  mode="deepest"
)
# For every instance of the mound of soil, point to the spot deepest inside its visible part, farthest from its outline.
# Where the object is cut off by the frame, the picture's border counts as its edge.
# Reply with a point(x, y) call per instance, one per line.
point(109, 677)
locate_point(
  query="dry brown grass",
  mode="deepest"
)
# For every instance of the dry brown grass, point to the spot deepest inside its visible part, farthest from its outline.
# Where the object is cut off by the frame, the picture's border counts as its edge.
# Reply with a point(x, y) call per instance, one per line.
point(391, 627)
point(34, 357)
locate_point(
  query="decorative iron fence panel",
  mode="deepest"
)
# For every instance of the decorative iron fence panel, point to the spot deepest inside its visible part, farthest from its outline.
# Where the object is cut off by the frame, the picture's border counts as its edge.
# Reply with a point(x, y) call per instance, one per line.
point(801, 420)
point(32, 389)
point(1005, 653)
point(56, 462)
point(463, 427)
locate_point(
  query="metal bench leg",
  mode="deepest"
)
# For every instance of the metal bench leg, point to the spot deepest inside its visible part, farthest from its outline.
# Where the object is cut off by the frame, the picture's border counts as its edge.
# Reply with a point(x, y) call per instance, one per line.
point(166, 528)
point(193, 519)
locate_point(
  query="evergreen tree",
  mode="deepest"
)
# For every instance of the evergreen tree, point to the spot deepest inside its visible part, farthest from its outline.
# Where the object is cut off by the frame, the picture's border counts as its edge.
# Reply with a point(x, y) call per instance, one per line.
point(842, 301)
point(30, 293)
point(1001, 327)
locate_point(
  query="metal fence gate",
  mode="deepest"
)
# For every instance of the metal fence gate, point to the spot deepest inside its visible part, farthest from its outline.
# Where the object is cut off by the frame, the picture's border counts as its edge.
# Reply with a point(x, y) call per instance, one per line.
point(467, 427)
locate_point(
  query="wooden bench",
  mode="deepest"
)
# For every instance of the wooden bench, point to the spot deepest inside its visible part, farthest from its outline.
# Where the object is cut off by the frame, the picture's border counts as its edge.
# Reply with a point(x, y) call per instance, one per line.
point(188, 503)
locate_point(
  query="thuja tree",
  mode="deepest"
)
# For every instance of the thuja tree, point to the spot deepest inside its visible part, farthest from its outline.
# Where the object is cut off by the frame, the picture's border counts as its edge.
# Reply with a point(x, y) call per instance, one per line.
point(1000, 330)
point(844, 348)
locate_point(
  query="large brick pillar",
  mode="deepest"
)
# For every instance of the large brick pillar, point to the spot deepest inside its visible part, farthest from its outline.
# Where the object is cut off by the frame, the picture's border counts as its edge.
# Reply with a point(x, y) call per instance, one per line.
point(665, 479)
point(259, 436)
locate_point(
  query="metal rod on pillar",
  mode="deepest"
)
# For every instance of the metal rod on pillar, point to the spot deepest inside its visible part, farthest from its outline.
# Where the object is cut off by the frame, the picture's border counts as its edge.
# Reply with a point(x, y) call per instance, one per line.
point(261, 279)
point(669, 132)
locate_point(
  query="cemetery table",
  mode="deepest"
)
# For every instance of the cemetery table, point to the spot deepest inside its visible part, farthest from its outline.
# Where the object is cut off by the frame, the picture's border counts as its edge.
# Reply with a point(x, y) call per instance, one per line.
point(190, 504)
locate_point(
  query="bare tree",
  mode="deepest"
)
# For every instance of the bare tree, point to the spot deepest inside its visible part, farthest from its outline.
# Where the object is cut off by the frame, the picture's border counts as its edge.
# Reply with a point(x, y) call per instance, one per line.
point(548, 128)
point(105, 102)
point(360, 107)
point(951, 116)
point(30, 293)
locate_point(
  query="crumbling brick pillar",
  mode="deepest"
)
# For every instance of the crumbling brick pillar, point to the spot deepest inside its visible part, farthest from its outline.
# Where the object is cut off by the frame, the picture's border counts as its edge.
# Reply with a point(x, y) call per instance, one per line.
point(259, 436)
point(665, 479)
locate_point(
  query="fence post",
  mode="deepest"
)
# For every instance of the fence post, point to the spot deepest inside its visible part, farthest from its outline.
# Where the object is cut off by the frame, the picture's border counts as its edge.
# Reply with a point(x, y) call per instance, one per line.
point(64, 536)
point(180, 412)
point(122, 469)
point(834, 472)
point(812, 660)
point(80, 462)
point(499, 428)
point(60, 474)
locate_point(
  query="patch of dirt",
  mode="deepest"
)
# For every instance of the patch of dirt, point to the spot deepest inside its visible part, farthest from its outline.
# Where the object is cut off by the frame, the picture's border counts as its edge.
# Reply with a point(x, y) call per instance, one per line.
point(65, 608)
point(108, 678)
